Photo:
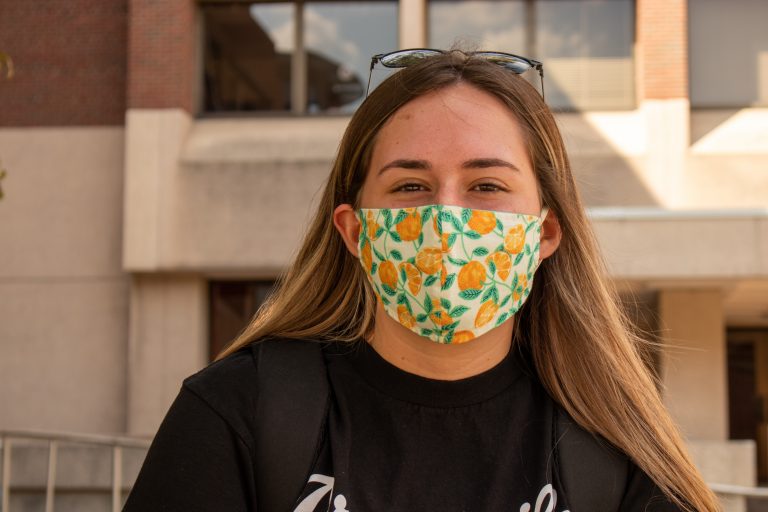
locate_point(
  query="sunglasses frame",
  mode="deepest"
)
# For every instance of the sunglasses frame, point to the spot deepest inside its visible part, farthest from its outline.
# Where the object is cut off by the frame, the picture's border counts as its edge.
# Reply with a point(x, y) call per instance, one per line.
point(423, 53)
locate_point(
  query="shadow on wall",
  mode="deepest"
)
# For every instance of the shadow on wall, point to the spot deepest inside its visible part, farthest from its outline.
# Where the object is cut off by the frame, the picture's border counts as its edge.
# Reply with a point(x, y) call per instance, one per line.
point(704, 122)
point(605, 174)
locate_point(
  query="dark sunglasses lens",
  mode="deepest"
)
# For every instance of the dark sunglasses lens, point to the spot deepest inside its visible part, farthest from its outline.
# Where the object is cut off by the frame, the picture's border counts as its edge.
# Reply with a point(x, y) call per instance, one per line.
point(510, 62)
point(405, 58)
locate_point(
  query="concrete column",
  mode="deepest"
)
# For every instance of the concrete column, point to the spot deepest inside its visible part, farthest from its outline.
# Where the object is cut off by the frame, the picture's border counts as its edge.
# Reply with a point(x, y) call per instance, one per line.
point(412, 20)
point(667, 123)
point(153, 143)
point(694, 361)
point(167, 343)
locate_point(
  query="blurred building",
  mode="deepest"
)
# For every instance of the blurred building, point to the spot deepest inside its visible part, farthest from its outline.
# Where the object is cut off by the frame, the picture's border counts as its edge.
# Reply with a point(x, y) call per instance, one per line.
point(164, 157)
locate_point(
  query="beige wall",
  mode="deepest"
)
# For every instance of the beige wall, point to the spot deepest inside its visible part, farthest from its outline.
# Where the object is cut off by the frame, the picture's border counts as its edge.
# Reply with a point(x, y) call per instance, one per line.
point(63, 296)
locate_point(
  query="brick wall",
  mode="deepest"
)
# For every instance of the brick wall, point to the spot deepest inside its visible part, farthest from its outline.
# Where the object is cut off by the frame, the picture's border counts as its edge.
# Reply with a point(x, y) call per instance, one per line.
point(70, 62)
point(662, 56)
point(162, 54)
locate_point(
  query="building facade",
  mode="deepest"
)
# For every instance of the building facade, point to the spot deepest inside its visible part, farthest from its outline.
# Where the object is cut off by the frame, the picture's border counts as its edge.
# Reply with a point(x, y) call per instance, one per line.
point(163, 157)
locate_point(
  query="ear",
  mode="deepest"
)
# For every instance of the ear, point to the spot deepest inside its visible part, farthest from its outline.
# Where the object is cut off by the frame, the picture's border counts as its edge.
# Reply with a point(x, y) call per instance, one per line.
point(348, 225)
point(551, 234)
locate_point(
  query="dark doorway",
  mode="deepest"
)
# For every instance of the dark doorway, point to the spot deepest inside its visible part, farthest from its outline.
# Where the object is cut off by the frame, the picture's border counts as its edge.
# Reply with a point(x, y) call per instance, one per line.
point(232, 304)
point(748, 391)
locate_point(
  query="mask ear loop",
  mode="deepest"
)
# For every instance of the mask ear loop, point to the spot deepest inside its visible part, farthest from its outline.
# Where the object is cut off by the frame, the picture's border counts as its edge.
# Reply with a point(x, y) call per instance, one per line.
point(544, 212)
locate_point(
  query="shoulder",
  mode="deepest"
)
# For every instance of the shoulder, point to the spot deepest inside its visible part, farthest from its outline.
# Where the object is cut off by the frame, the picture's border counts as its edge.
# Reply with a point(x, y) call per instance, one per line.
point(239, 369)
point(232, 385)
point(232, 376)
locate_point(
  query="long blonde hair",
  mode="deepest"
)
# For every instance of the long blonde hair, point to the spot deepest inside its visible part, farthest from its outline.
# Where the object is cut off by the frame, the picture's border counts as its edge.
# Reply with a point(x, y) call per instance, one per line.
point(582, 345)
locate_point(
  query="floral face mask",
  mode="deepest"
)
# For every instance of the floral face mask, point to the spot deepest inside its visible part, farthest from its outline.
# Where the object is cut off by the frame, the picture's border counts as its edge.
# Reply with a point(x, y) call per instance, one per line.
point(449, 273)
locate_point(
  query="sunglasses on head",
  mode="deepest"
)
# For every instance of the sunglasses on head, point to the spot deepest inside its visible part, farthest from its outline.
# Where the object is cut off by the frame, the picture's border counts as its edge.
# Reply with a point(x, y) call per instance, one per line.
point(405, 58)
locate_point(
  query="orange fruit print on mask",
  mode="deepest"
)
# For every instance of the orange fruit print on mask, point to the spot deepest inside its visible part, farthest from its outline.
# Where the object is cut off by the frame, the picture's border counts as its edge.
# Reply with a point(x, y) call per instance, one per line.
point(409, 228)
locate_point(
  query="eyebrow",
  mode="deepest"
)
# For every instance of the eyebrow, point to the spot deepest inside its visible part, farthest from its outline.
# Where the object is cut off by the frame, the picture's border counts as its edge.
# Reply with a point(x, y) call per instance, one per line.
point(403, 163)
point(482, 163)
point(474, 163)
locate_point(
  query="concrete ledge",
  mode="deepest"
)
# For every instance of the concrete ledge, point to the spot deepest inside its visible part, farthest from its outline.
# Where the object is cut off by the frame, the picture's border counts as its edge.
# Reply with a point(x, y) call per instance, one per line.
point(270, 142)
point(651, 213)
point(649, 243)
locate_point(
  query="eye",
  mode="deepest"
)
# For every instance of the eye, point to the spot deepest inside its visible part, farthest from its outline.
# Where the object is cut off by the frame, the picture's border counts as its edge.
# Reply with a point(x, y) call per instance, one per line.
point(409, 187)
point(489, 187)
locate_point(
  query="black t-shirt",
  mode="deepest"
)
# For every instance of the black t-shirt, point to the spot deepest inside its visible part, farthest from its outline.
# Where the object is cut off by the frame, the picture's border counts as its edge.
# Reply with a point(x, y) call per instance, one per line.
point(393, 441)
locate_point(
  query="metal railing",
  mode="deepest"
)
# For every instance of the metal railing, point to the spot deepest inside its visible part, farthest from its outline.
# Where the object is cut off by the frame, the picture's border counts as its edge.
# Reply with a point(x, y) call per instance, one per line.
point(7, 437)
point(741, 491)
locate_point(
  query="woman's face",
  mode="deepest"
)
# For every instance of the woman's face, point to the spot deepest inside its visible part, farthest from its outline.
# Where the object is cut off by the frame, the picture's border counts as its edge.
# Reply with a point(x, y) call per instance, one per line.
point(456, 146)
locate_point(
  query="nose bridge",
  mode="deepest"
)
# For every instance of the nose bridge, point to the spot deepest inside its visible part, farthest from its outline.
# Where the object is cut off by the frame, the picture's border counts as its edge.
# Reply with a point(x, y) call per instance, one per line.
point(449, 190)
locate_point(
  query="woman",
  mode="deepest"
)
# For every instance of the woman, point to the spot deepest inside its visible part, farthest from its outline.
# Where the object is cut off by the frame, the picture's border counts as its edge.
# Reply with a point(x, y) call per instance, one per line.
point(455, 279)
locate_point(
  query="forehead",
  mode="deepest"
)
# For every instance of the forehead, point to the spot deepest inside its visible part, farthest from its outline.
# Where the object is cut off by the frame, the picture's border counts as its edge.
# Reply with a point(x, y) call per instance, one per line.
point(456, 121)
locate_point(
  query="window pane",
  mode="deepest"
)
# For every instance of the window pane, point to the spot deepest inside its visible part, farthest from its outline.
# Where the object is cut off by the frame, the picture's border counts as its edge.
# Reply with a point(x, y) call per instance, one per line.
point(340, 38)
point(731, 68)
point(478, 25)
point(482, 25)
point(247, 56)
point(586, 47)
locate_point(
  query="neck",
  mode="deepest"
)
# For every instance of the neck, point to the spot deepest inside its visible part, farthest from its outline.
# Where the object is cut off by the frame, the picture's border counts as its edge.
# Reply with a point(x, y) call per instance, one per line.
point(421, 356)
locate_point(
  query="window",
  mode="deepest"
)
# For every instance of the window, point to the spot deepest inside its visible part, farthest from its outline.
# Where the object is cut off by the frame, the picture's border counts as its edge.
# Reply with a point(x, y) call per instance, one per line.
point(300, 57)
point(586, 45)
point(728, 53)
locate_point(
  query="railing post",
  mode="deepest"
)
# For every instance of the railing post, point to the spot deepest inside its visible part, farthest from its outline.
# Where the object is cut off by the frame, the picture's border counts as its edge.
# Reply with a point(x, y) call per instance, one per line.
point(6, 474)
point(50, 483)
point(117, 477)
